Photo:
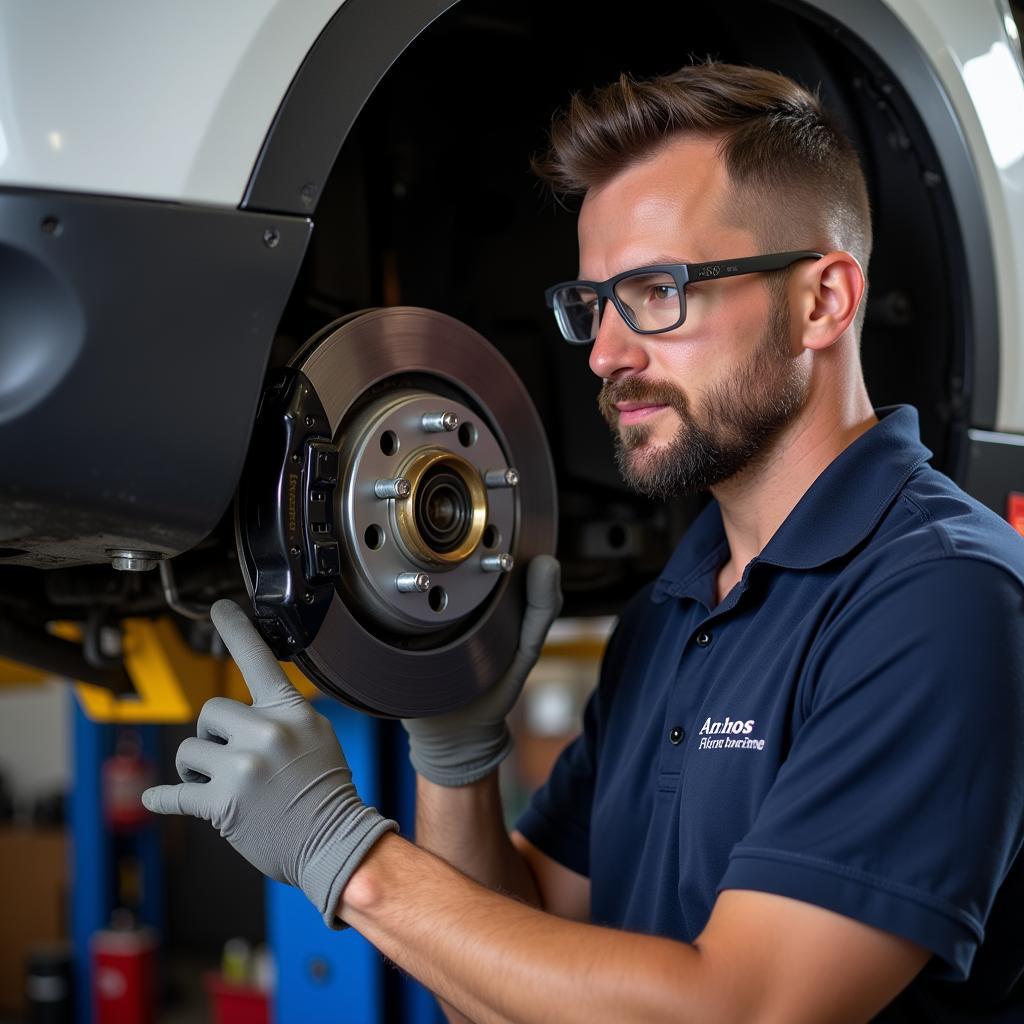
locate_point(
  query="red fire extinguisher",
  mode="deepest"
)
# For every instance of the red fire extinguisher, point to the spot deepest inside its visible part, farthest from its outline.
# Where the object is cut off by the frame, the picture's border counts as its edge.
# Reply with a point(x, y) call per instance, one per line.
point(124, 776)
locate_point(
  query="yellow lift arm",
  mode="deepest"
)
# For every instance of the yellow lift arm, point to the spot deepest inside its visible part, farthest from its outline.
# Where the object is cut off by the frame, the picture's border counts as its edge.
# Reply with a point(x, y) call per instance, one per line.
point(172, 682)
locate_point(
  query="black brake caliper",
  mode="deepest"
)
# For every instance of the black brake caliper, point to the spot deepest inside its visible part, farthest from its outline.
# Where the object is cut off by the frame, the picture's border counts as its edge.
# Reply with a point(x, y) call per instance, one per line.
point(286, 514)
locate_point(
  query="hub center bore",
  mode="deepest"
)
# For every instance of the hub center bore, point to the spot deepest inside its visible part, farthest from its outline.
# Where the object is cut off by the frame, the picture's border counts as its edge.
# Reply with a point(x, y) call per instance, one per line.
point(444, 509)
point(442, 521)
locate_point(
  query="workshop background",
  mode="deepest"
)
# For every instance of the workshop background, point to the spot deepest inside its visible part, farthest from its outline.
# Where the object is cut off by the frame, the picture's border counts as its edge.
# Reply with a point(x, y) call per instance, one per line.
point(158, 920)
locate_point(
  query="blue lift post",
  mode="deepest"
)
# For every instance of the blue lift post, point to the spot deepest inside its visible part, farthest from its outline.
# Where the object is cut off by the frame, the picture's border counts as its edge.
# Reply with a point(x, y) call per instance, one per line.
point(92, 879)
point(320, 972)
point(326, 975)
point(147, 846)
point(92, 849)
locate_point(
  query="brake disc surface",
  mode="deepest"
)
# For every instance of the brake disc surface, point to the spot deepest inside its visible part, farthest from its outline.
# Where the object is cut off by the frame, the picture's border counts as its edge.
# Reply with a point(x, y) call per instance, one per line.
point(397, 486)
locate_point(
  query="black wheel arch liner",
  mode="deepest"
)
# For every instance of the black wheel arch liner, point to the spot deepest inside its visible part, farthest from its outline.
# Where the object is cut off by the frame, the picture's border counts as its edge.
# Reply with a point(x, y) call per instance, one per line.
point(879, 38)
point(339, 74)
point(359, 44)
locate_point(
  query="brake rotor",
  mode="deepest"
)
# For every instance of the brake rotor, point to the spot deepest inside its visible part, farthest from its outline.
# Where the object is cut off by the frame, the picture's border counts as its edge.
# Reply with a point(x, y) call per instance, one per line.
point(397, 485)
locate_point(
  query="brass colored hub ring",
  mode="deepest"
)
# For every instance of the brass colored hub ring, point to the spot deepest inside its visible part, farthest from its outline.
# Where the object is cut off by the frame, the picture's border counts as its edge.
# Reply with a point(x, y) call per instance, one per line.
point(410, 515)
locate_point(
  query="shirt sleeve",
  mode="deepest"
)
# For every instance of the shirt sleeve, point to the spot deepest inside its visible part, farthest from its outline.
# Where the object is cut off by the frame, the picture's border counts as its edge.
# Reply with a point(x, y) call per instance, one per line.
point(557, 820)
point(901, 802)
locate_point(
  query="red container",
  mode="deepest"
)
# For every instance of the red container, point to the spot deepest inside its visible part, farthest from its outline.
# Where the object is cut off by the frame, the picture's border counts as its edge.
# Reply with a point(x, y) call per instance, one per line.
point(237, 1004)
point(124, 970)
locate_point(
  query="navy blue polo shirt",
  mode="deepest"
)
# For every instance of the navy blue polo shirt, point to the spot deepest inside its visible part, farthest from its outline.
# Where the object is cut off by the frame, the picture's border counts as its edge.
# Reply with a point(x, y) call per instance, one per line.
point(845, 728)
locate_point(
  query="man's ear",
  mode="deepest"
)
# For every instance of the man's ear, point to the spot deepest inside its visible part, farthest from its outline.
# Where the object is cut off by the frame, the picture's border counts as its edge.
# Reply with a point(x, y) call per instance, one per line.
point(831, 292)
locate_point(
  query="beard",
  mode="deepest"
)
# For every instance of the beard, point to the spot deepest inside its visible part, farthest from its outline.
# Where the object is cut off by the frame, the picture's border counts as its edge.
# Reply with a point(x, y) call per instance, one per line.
point(732, 430)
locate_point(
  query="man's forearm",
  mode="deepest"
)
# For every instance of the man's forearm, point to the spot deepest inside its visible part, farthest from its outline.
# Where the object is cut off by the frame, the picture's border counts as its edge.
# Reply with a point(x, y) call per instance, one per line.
point(761, 958)
point(465, 826)
point(501, 961)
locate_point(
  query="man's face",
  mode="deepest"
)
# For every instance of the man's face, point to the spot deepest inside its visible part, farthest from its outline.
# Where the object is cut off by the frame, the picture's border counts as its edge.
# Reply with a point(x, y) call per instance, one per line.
point(692, 407)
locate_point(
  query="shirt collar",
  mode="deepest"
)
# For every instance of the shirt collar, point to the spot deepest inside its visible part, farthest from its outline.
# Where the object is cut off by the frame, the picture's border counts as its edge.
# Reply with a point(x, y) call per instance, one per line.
point(703, 548)
point(841, 507)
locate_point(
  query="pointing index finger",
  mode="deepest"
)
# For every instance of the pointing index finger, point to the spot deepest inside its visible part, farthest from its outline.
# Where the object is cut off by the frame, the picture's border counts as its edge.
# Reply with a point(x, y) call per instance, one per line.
point(262, 674)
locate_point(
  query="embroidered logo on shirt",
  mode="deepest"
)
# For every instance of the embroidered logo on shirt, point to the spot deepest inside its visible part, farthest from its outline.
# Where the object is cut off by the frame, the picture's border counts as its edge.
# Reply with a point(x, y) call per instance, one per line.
point(729, 735)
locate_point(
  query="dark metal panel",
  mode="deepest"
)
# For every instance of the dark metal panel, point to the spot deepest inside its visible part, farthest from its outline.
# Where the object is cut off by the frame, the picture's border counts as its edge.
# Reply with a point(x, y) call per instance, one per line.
point(349, 58)
point(133, 342)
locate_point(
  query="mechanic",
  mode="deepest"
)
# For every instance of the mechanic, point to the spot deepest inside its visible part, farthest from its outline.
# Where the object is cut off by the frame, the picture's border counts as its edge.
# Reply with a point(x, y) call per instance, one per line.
point(798, 795)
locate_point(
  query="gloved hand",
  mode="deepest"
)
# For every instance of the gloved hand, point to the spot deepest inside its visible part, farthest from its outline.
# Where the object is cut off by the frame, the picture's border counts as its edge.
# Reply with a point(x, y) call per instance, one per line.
point(463, 746)
point(279, 788)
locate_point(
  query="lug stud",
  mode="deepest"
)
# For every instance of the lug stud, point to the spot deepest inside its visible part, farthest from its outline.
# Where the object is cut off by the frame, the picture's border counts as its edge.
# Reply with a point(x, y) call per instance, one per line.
point(501, 478)
point(497, 563)
point(399, 487)
point(412, 582)
point(439, 422)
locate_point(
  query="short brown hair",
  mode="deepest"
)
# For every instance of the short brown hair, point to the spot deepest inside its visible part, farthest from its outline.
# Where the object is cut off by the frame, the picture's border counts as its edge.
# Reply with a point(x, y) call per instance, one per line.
point(795, 174)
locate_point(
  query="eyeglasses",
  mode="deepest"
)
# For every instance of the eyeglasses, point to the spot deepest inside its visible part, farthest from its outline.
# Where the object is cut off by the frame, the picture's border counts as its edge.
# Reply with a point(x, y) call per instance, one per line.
point(650, 299)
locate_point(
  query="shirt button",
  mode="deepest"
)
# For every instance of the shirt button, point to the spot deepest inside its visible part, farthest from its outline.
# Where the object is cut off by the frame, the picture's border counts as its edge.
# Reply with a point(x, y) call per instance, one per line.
point(703, 638)
point(675, 737)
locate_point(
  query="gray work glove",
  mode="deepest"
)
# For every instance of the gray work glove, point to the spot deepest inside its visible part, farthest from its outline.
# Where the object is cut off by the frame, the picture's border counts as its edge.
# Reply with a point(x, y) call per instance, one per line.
point(460, 747)
point(279, 788)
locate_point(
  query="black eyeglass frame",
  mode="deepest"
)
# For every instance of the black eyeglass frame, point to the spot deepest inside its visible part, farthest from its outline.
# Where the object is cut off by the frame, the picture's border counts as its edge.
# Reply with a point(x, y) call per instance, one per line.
point(682, 274)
